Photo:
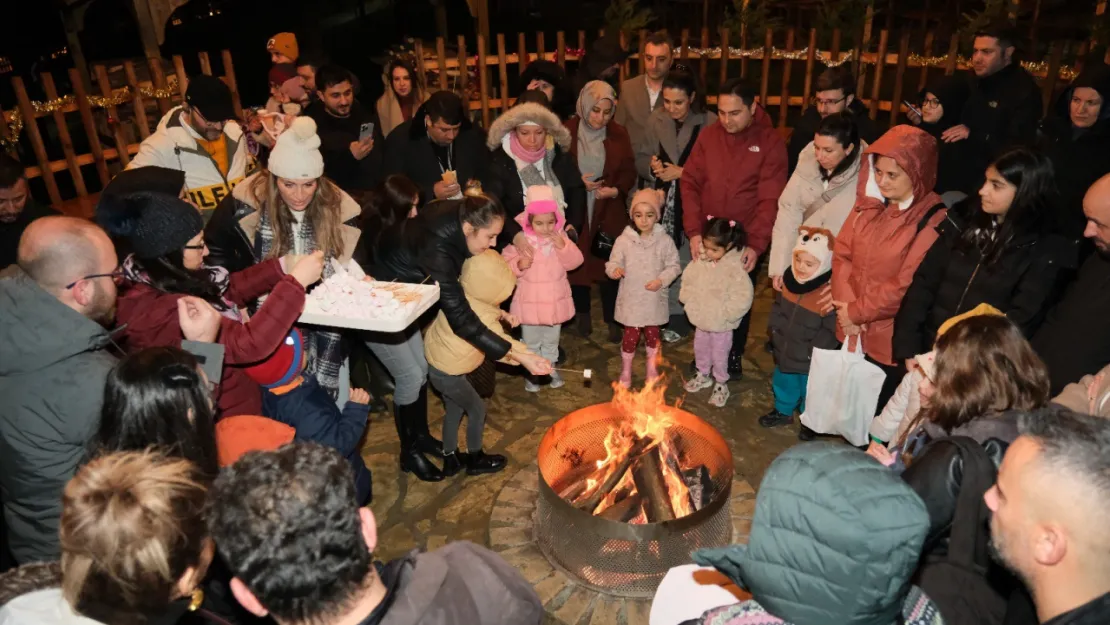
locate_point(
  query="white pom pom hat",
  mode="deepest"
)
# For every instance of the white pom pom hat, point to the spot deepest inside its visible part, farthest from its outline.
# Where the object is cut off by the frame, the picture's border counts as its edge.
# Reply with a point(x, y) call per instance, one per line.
point(296, 155)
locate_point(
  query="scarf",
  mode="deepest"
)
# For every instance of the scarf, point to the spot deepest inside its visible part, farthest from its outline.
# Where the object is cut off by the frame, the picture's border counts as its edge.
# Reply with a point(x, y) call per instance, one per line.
point(523, 153)
point(324, 349)
point(538, 173)
point(591, 142)
point(219, 276)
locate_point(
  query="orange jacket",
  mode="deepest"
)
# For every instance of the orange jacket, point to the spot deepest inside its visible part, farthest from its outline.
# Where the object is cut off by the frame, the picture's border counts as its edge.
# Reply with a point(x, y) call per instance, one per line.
point(880, 247)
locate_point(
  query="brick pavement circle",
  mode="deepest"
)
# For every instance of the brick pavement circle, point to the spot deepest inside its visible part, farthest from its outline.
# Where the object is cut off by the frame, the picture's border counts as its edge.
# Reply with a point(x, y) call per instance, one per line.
point(567, 601)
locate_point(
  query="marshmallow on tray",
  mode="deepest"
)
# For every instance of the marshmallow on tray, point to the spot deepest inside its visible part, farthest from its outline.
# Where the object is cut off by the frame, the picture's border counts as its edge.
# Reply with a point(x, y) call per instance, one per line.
point(349, 299)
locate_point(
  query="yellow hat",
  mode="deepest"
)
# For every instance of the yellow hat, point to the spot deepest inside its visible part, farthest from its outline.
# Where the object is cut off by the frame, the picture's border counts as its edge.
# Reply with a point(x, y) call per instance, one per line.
point(978, 311)
point(284, 43)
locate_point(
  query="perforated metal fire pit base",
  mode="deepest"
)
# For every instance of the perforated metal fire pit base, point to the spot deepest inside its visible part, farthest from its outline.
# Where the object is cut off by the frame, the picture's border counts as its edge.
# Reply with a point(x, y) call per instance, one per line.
point(621, 558)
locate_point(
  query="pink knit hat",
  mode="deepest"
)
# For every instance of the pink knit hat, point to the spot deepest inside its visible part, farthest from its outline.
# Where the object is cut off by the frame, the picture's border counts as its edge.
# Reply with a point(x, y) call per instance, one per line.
point(540, 199)
point(652, 197)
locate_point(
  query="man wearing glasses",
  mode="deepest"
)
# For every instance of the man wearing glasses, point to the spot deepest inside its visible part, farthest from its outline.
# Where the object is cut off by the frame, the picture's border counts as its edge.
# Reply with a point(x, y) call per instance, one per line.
point(835, 93)
point(203, 139)
point(58, 301)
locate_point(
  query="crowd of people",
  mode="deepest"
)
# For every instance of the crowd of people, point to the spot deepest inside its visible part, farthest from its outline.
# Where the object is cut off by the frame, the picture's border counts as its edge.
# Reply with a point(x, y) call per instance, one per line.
point(176, 445)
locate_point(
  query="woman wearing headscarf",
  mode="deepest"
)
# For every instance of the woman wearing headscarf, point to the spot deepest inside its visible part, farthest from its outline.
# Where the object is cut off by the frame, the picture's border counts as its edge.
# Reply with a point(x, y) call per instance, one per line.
point(607, 166)
point(942, 102)
point(532, 147)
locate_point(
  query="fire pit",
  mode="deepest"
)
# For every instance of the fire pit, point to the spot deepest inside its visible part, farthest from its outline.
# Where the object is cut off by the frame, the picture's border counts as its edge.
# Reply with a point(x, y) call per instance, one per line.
point(628, 489)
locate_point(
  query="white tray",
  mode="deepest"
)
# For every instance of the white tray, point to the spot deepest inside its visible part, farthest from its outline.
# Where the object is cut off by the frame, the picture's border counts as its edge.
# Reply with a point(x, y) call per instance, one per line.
point(429, 295)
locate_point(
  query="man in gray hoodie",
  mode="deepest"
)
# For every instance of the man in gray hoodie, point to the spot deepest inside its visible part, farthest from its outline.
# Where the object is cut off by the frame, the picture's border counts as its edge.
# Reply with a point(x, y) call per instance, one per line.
point(57, 301)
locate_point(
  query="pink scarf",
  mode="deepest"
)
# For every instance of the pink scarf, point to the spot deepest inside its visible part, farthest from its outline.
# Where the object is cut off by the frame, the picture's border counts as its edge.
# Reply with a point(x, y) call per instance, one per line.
point(528, 156)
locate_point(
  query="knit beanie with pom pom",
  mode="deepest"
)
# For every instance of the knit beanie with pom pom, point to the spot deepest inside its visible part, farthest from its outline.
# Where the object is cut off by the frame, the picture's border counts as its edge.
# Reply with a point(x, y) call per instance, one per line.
point(153, 223)
point(296, 155)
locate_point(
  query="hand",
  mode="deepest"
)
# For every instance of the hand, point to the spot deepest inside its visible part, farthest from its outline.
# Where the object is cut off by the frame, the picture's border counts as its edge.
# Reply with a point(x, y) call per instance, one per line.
point(749, 257)
point(776, 283)
point(199, 321)
point(695, 247)
point(914, 118)
point(880, 453)
point(359, 396)
point(955, 133)
point(558, 240)
point(520, 242)
point(669, 173)
point(308, 269)
point(510, 319)
point(618, 273)
point(254, 125)
point(591, 184)
point(445, 191)
point(524, 262)
point(851, 330)
point(654, 285)
point(825, 300)
point(359, 149)
point(656, 166)
point(606, 193)
point(536, 365)
point(911, 365)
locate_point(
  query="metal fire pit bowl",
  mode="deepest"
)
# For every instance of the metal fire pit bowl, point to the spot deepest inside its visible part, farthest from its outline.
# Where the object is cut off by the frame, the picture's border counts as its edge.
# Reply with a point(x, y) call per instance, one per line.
point(621, 558)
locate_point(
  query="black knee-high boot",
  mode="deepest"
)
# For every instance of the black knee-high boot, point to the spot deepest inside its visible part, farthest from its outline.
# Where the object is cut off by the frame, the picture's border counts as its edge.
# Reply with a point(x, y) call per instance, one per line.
point(412, 460)
point(422, 436)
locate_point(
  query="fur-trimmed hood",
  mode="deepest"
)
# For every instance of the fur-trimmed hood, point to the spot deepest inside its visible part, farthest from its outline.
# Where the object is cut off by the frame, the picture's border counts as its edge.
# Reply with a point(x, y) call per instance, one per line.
point(528, 112)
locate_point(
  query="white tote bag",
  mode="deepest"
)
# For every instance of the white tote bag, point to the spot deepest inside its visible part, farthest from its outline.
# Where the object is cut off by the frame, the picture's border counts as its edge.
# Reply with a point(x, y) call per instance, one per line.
point(843, 393)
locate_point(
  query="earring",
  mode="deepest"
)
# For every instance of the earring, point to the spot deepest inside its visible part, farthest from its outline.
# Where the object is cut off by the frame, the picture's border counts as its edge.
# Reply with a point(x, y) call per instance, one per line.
point(197, 598)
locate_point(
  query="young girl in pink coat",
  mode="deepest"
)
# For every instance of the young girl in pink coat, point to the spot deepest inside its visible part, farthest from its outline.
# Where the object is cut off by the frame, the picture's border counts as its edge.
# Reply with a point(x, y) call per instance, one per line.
point(542, 302)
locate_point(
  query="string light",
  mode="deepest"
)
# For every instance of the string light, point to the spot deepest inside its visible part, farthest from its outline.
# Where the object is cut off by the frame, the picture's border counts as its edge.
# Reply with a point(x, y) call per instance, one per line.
point(118, 97)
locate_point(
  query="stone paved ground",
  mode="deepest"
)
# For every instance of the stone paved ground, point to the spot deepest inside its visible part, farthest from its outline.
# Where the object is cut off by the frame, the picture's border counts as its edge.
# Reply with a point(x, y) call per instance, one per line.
point(411, 513)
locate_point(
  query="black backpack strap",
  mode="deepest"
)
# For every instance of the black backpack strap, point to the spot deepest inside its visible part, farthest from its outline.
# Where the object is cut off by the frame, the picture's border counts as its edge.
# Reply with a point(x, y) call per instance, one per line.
point(968, 542)
point(929, 215)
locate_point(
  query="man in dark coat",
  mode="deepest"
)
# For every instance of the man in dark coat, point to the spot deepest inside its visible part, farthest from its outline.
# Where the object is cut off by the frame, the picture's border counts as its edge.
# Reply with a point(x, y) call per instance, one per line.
point(17, 208)
point(351, 160)
point(287, 520)
point(439, 149)
point(836, 93)
point(1005, 103)
point(1075, 338)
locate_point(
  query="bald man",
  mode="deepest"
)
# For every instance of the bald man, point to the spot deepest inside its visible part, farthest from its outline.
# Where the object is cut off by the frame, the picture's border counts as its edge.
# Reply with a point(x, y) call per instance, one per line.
point(1049, 510)
point(58, 301)
point(1074, 340)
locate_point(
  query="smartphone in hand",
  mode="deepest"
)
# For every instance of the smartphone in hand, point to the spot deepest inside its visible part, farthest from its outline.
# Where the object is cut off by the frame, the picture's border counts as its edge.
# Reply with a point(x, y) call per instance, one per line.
point(913, 109)
point(366, 131)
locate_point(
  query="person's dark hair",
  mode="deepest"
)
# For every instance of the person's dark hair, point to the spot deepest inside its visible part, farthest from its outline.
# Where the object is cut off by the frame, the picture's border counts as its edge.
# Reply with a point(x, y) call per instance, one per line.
point(169, 275)
point(329, 76)
point(835, 78)
point(660, 38)
point(157, 398)
point(741, 88)
point(480, 210)
point(535, 96)
point(287, 523)
point(11, 170)
point(1001, 30)
point(388, 204)
point(1033, 175)
point(1077, 445)
point(445, 106)
point(726, 234)
point(405, 64)
point(843, 128)
point(310, 59)
point(686, 82)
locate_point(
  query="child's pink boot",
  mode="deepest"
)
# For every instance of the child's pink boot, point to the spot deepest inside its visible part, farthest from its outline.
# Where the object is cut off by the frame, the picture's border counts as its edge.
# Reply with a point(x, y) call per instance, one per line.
point(653, 362)
point(626, 368)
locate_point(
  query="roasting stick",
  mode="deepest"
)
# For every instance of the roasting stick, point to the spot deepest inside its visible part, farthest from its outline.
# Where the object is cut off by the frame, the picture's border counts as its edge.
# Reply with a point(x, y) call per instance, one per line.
point(586, 373)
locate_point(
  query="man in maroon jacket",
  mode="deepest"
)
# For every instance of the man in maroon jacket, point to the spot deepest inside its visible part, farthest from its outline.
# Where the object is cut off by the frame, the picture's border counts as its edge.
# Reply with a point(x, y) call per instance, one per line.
point(737, 170)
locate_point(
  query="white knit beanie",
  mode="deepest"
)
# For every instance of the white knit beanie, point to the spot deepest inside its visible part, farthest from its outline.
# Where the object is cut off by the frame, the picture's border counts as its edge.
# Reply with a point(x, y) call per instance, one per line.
point(296, 155)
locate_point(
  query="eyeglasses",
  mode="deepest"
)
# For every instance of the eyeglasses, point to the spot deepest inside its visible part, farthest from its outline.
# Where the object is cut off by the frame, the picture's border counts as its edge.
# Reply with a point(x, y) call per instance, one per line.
point(116, 277)
point(930, 103)
point(200, 246)
point(821, 102)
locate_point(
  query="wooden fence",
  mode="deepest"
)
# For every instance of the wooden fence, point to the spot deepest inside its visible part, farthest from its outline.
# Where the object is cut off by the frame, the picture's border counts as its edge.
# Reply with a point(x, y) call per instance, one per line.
point(110, 138)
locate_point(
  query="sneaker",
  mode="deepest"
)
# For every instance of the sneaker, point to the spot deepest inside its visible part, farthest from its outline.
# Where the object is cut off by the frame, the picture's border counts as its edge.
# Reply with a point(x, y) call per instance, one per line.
point(698, 383)
point(556, 380)
point(775, 419)
point(720, 396)
point(531, 386)
point(670, 336)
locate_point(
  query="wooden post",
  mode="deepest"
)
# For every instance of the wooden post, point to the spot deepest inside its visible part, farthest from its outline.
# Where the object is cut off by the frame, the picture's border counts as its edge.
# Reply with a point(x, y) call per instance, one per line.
point(51, 93)
point(561, 49)
point(89, 123)
point(117, 132)
point(522, 52)
point(643, 50)
point(483, 80)
point(724, 55)
point(483, 20)
point(136, 99)
point(581, 43)
point(868, 20)
point(182, 78)
point(441, 67)
point(232, 83)
point(899, 78)
point(626, 67)
point(421, 68)
point(765, 78)
point(834, 49)
point(743, 59)
point(540, 51)
point(158, 81)
point(704, 58)
point(928, 51)
point(464, 69)
point(31, 127)
point(953, 55)
point(784, 99)
point(1053, 77)
point(880, 65)
point(1033, 27)
point(811, 60)
point(685, 44)
point(503, 72)
point(205, 64)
